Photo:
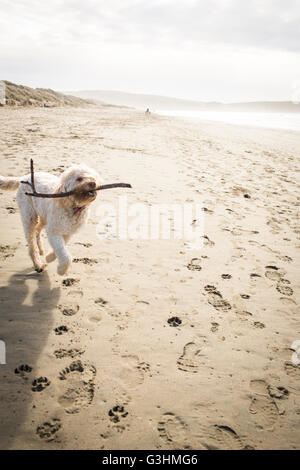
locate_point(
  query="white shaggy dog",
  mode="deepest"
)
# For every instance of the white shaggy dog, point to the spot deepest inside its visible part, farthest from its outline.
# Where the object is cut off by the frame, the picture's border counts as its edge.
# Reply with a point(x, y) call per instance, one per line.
point(60, 217)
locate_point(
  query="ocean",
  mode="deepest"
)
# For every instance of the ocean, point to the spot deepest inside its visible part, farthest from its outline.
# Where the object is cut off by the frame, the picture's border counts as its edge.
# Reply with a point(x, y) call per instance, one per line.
point(288, 121)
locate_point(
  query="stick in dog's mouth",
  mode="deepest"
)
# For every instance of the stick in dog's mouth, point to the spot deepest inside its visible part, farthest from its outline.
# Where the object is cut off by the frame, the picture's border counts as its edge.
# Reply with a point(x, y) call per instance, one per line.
point(69, 193)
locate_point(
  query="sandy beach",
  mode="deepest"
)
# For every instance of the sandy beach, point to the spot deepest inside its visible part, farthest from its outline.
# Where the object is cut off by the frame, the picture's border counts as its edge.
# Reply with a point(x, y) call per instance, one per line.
point(91, 359)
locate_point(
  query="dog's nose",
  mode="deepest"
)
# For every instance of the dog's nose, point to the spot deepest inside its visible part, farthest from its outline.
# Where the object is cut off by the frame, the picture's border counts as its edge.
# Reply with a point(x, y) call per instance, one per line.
point(92, 184)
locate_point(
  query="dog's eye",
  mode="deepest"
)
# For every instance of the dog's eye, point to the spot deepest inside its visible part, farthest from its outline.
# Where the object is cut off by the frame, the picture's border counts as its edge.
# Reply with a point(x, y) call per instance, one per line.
point(79, 179)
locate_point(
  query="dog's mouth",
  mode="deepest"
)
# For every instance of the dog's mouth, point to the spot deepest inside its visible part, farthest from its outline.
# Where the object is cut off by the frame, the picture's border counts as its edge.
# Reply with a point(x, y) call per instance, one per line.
point(85, 193)
point(87, 196)
point(78, 209)
point(83, 200)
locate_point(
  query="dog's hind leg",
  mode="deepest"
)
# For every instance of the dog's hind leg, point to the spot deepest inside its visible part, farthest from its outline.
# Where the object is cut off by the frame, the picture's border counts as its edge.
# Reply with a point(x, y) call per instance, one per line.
point(39, 228)
point(30, 222)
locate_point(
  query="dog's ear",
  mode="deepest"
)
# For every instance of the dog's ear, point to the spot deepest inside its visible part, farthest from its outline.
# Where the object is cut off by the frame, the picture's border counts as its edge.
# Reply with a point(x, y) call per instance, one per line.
point(66, 181)
point(62, 188)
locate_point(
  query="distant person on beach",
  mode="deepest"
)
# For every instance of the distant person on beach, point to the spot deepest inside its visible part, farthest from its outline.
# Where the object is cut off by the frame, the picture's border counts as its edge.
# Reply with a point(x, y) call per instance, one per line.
point(147, 111)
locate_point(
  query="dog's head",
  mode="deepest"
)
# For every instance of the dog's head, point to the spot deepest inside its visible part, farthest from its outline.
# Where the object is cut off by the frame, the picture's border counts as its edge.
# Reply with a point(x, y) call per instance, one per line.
point(83, 181)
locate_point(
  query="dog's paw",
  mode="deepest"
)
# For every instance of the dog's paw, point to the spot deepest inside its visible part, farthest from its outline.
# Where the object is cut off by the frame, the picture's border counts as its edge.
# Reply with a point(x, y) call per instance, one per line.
point(50, 257)
point(63, 268)
point(40, 268)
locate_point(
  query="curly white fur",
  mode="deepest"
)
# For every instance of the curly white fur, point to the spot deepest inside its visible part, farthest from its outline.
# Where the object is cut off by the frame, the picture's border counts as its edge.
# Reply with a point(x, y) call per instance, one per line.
point(61, 217)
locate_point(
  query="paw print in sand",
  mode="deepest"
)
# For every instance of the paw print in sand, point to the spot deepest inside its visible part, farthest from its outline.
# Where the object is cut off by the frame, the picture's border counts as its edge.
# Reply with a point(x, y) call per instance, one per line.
point(48, 430)
point(38, 385)
point(117, 413)
point(174, 321)
point(23, 369)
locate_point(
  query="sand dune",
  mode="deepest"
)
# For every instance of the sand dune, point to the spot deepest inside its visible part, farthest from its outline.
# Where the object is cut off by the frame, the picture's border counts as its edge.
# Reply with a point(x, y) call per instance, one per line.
point(19, 95)
point(147, 344)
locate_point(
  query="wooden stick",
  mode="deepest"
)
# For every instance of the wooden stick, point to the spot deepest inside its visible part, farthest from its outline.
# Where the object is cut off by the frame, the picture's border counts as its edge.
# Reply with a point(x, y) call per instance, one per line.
point(68, 193)
point(32, 176)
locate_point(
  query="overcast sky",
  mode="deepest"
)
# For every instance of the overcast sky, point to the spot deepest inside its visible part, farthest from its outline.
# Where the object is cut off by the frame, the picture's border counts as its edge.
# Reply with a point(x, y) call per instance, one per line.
point(225, 50)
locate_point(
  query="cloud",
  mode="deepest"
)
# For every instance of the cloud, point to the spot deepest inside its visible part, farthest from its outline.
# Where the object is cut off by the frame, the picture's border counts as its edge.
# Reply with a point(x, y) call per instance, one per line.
point(270, 24)
point(201, 49)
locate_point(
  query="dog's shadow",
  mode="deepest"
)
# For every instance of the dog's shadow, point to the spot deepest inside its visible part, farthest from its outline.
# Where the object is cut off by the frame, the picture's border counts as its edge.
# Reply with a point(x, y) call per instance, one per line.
point(26, 320)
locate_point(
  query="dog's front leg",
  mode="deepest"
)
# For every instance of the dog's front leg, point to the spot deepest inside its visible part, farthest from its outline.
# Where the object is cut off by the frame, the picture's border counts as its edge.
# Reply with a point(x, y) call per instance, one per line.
point(52, 256)
point(59, 247)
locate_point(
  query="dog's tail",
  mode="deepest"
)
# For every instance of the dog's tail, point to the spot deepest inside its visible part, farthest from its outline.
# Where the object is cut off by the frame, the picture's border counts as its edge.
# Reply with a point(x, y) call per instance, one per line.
point(10, 184)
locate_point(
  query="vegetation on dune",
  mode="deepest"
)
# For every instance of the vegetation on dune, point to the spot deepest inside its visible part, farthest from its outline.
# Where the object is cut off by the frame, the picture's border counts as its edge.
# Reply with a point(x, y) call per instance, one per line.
point(19, 95)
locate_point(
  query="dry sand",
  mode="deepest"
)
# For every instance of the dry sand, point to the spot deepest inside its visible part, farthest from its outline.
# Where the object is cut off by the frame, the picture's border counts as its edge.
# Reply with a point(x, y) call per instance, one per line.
point(115, 374)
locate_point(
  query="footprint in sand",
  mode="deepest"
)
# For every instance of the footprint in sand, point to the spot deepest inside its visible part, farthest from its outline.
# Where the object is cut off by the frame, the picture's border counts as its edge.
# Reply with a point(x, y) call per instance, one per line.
point(100, 301)
point(118, 416)
point(194, 265)
point(144, 366)
point(70, 281)
point(78, 293)
point(226, 276)
point(11, 210)
point(60, 353)
point(287, 301)
point(264, 411)
point(95, 318)
point(280, 393)
point(132, 372)
point(173, 431)
point(207, 211)
point(283, 288)
point(117, 413)
point(88, 261)
point(285, 258)
point(263, 407)
point(219, 437)
point(293, 370)
point(276, 274)
point(60, 330)
point(255, 276)
point(273, 273)
point(105, 307)
point(214, 327)
point(259, 386)
point(216, 300)
point(38, 385)
point(174, 321)
point(6, 251)
point(48, 430)
point(189, 361)
point(69, 310)
point(244, 315)
point(23, 370)
point(77, 386)
point(207, 241)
